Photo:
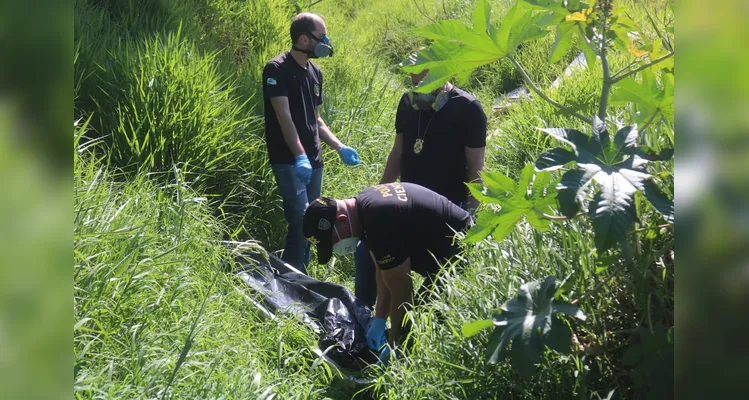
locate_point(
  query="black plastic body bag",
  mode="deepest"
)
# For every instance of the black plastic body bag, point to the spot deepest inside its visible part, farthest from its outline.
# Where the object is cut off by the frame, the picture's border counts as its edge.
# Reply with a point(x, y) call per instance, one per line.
point(333, 311)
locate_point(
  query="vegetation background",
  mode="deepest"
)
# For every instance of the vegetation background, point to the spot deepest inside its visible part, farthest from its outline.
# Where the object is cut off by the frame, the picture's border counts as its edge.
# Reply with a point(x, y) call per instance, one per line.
point(170, 164)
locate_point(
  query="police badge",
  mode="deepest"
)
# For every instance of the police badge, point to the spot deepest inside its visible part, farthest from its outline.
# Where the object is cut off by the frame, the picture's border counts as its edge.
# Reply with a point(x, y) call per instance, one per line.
point(418, 146)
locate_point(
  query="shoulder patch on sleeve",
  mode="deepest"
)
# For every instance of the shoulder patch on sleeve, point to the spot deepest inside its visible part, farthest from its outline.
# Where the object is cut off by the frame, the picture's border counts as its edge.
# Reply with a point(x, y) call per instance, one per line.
point(271, 81)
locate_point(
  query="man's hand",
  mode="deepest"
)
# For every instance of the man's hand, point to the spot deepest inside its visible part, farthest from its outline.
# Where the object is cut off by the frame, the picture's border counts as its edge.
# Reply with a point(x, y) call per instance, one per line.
point(303, 169)
point(349, 156)
point(376, 334)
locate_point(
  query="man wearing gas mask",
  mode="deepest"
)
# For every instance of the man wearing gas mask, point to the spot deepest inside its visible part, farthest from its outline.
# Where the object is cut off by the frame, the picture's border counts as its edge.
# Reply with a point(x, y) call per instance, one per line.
point(439, 144)
point(292, 94)
point(406, 227)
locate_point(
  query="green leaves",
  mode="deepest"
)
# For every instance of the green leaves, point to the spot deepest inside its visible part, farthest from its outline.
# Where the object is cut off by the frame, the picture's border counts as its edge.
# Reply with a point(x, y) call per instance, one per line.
point(650, 96)
point(458, 49)
point(612, 207)
point(519, 25)
point(531, 322)
point(481, 16)
point(446, 59)
point(459, 33)
point(620, 29)
point(524, 199)
point(616, 169)
point(566, 17)
point(563, 42)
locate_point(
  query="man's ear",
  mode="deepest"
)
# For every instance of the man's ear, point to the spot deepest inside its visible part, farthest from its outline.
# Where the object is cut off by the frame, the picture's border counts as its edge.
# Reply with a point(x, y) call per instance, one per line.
point(299, 41)
point(305, 39)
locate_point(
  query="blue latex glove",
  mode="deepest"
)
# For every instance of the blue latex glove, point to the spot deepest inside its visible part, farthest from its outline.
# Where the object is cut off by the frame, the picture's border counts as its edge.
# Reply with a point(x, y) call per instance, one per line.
point(385, 356)
point(349, 156)
point(376, 334)
point(303, 169)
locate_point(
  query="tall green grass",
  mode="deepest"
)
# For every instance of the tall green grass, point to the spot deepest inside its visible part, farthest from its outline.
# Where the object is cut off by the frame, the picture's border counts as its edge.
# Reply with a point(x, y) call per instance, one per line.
point(156, 315)
point(170, 105)
point(163, 93)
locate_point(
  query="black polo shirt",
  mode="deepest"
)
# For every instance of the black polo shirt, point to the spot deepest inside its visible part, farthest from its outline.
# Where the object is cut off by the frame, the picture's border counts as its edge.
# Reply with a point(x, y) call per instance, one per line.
point(283, 76)
point(441, 165)
point(402, 220)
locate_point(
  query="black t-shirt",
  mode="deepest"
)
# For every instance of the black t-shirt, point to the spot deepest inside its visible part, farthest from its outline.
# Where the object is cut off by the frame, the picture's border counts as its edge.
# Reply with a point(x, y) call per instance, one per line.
point(401, 220)
point(283, 76)
point(441, 165)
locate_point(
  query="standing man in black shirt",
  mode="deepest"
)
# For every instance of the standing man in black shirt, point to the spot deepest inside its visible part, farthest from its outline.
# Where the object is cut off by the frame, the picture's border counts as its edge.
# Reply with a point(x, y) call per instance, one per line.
point(292, 94)
point(439, 144)
point(405, 227)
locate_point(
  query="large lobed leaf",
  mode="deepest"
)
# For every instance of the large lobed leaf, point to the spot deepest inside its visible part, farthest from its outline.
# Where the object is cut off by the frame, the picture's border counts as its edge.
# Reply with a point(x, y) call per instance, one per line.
point(458, 49)
point(530, 321)
point(461, 34)
point(521, 24)
point(446, 59)
point(615, 169)
point(612, 207)
point(529, 198)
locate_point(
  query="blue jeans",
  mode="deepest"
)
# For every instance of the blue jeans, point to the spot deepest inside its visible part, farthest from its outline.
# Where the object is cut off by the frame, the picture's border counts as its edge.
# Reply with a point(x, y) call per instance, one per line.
point(365, 279)
point(296, 197)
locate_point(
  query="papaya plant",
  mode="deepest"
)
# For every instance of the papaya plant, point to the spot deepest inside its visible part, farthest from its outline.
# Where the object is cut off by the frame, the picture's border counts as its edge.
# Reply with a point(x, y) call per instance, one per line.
point(604, 172)
point(616, 166)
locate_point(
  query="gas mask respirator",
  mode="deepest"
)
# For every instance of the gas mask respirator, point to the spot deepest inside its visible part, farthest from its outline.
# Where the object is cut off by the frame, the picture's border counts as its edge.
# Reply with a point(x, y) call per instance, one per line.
point(427, 101)
point(323, 47)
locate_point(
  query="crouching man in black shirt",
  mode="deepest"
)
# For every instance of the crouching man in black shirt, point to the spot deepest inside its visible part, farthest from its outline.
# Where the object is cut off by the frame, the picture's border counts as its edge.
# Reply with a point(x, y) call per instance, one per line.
point(405, 227)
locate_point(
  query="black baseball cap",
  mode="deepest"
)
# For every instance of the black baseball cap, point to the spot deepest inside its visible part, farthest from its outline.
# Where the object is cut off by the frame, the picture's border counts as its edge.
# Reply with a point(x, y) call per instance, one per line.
point(317, 226)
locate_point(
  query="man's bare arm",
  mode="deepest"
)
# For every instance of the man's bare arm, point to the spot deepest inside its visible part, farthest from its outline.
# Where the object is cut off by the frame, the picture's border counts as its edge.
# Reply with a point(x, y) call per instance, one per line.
point(325, 134)
point(382, 307)
point(290, 134)
point(393, 165)
point(398, 283)
point(474, 164)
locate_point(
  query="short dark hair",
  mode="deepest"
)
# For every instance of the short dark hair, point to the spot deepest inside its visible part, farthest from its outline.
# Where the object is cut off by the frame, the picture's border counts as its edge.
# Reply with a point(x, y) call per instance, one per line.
point(301, 24)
